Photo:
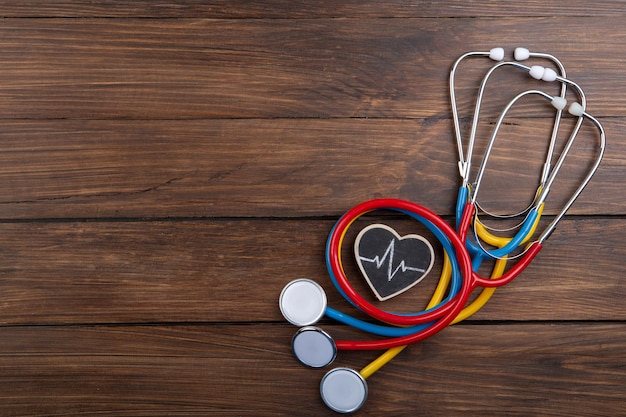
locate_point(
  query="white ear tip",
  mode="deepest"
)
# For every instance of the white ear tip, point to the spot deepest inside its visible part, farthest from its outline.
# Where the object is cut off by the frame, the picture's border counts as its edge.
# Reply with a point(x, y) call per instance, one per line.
point(536, 71)
point(576, 109)
point(559, 103)
point(497, 54)
point(521, 54)
point(549, 75)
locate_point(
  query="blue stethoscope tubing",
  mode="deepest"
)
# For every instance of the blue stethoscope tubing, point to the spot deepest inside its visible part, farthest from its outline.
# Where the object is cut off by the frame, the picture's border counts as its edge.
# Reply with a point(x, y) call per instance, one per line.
point(389, 331)
point(456, 280)
point(474, 251)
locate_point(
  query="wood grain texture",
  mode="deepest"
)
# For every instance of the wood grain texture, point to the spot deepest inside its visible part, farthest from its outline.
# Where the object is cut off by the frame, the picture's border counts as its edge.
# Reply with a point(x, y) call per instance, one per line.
point(279, 9)
point(278, 168)
point(238, 370)
point(166, 167)
point(179, 271)
point(223, 68)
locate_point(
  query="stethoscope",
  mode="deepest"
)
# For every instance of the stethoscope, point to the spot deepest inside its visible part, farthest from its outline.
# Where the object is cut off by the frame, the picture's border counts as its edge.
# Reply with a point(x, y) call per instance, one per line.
point(303, 302)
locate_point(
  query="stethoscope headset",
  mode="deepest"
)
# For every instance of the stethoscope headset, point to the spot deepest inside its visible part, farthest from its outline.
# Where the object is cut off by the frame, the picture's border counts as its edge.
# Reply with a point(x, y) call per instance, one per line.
point(303, 302)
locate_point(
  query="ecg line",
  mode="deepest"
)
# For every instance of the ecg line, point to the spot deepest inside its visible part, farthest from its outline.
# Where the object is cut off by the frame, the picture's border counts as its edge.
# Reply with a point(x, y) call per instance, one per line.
point(390, 271)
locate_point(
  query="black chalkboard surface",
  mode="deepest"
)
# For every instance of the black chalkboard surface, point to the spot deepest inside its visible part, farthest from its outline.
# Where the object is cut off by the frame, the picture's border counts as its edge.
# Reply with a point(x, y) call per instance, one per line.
point(391, 263)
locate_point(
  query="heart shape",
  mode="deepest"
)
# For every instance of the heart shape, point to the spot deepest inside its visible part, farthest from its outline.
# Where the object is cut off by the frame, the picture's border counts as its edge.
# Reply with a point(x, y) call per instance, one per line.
point(391, 263)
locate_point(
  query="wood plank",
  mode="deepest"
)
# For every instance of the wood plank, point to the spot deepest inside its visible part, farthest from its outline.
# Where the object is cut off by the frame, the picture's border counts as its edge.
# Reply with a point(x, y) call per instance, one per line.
point(207, 68)
point(565, 369)
point(207, 168)
point(166, 167)
point(301, 9)
point(205, 271)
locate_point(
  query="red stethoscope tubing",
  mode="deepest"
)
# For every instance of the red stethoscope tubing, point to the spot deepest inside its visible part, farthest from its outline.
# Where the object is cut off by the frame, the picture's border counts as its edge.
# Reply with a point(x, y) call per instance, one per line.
point(514, 271)
point(335, 259)
point(443, 315)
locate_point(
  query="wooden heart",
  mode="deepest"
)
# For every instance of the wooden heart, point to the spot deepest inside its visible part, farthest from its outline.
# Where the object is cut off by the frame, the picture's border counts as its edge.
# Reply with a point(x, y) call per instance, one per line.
point(391, 263)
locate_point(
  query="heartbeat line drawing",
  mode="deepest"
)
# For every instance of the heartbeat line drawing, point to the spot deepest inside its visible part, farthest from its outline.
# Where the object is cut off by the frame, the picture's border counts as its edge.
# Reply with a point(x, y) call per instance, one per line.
point(390, 263)
point(390, 253)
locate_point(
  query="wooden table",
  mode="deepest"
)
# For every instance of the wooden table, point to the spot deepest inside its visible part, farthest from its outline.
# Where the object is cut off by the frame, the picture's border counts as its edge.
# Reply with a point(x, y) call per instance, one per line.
point(167, 167)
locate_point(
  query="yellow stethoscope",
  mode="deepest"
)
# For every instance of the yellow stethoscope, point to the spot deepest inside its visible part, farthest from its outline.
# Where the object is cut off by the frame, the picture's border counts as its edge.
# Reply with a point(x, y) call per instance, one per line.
point(303, 302)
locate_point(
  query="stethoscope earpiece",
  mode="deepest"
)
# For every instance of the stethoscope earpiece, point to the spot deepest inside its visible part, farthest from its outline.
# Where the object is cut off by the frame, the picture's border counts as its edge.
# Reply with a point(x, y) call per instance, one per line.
point(343, 390)
point(521, 54)
point(542, 73)
point(576, 109)
point(559, 103)
point(496, 54)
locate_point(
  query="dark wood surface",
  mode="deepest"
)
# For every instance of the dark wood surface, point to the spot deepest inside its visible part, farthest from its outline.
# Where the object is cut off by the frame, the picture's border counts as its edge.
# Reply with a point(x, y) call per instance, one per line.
point(166, 167)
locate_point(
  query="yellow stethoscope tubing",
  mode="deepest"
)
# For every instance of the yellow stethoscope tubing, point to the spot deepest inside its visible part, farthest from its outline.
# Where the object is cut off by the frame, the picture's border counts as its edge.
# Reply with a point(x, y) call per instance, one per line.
point(444, 280)
point(468, 311)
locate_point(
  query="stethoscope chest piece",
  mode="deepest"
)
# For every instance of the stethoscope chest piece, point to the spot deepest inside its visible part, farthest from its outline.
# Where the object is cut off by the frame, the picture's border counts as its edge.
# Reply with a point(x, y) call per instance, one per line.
point(343, 390)
point(313, 347)
point(302, 302)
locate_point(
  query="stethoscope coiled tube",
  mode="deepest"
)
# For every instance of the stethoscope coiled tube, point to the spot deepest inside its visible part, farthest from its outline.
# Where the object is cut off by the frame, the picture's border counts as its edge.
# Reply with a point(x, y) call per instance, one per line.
point(303, 302)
